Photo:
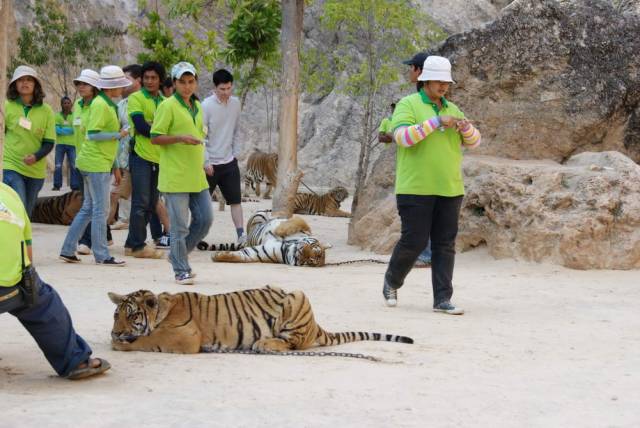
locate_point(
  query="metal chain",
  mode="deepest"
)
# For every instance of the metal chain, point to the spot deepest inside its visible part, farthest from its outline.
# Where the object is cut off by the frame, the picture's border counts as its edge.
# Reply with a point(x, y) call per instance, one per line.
point(356, 261)
point(295, 353)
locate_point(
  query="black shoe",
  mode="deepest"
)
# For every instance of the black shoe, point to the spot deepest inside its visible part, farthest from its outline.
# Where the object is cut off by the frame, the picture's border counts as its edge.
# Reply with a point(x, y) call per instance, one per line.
point(390, 294)
point(69, 259)
point(112, 262)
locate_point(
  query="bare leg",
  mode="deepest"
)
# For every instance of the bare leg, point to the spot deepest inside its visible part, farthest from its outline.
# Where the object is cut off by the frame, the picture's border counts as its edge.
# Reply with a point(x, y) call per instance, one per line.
point(236, 215)
point(161, 210)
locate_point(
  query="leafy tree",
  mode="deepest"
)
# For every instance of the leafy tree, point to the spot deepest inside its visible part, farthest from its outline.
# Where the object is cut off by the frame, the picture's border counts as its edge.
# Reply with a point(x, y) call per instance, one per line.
point(51, 41)
point(373, 37)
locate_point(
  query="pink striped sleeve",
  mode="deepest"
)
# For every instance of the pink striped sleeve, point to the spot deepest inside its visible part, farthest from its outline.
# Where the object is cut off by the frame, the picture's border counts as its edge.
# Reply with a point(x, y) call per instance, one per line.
point(471, 137)
point(408, 136)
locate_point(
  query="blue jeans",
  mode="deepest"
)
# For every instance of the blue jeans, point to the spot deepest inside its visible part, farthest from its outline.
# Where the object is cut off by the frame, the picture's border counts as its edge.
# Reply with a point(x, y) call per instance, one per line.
point(50, 325)
point(26, 187)
point(184, 236)
point(144, 197)
point(70, 152)
point(95, 207)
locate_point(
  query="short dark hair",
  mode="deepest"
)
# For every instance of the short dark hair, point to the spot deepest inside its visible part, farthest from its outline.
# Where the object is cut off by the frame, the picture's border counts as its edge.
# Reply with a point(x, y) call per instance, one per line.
point(222, 76)
point(135, 70)
point(38, 93)
point(154, 66)
point(63, 99)
point(167, 83)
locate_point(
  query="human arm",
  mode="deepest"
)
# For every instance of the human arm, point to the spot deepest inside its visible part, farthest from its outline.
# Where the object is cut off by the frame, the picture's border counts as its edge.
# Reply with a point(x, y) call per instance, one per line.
point(471, 137)
point(141, 125)
point(45, 149)
point(64, 130)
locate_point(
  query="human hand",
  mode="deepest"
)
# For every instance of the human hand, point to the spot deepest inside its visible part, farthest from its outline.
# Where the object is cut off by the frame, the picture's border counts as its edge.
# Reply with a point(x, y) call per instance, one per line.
point(208, 169)
point(462, 125)
point(117, 176)
point(124, 133)
point(29, 159)
point(448, 121)
point(188, 139)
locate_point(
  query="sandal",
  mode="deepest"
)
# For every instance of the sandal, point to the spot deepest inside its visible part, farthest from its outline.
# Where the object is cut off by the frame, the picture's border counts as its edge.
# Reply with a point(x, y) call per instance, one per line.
point(81, 373)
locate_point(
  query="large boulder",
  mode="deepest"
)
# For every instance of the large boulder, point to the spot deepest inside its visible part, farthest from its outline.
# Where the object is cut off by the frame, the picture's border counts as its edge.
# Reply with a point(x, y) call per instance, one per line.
point(584, 214)
point(548, 79)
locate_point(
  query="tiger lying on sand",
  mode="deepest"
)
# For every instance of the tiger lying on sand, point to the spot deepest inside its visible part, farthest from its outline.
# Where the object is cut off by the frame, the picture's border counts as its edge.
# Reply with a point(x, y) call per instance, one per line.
point(327, 204)
point(277, 240)
point(60, 209)
point(263, 319)
point(261, 167)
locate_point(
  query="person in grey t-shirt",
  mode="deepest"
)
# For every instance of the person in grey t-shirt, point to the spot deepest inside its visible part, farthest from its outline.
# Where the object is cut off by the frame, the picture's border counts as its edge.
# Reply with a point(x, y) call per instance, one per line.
point(221, 113)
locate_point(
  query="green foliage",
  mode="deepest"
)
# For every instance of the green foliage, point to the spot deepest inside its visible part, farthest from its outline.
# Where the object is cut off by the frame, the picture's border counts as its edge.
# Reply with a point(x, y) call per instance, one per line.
point(50, 41)
point(168, 48)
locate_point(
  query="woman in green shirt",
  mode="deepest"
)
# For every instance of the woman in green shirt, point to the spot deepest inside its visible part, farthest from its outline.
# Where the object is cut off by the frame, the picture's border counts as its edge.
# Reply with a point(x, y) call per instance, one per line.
point(30, 134)
point(179, 132)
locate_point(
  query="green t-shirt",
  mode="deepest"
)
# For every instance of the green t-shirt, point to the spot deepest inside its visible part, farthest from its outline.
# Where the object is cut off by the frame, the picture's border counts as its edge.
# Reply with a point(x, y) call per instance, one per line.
point(385, 125)
point(65, 123)
point(142, 102)
point(20, 141)
point(15, 228)
point(432, 166)
point(80, 118)
point(181, 165)
point(98, 156)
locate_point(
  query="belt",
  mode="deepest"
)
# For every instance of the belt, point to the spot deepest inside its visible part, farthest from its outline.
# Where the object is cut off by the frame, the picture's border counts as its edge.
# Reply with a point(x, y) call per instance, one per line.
point(10, 295)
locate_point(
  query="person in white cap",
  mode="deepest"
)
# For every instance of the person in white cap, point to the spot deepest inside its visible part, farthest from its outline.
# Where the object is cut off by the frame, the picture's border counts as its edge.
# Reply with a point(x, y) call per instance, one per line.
point(179, 131)
point(430, 132)
point(30, 134)
point(95, 163)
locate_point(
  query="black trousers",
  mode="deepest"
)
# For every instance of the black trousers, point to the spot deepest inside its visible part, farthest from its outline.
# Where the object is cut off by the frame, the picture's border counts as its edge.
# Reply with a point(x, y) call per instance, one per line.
point(425, 217)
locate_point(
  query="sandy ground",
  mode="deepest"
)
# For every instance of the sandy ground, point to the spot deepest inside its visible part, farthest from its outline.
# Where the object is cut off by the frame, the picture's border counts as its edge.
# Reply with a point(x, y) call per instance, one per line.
point(539, 346)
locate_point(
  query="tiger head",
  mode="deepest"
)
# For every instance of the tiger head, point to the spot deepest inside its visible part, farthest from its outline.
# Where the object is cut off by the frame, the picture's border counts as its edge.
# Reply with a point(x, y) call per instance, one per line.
point(339, 194)
point(137, 314)
point(311, 252)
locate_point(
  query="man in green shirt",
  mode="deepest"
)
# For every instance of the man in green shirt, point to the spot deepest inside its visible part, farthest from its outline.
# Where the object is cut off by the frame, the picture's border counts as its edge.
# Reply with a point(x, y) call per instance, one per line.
point(179, 133)
point(45, 317)
point(430, 132)
point(384, 131)
point(65, 146)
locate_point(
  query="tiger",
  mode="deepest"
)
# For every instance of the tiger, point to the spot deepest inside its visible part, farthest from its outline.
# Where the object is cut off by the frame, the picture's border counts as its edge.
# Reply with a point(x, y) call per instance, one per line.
point(266, 319)
point(327, 204)
point(277, 240)
point(261, 167)
point(60, 209)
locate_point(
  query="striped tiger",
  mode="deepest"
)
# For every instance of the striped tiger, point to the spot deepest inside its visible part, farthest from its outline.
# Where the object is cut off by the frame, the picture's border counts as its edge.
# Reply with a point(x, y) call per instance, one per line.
point(265, 319)
point(327, 204)
point(60, 209)
point(261, 167)
point(277, 240)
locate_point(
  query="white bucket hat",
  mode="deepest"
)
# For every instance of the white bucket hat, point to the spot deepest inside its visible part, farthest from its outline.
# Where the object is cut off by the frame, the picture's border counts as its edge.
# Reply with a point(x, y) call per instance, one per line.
point(436, 68)
point(112, 77)
point(87, 76)
point(181, 68)
point(23, 70)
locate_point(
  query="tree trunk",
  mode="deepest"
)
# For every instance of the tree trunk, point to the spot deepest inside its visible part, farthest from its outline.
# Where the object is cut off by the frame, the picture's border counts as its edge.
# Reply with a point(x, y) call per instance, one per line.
point(5, 13)
point(292, 14)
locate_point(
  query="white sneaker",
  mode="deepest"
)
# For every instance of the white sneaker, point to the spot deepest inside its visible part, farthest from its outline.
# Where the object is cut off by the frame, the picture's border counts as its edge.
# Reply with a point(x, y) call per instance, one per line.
point(242, 240)
point(84, 250)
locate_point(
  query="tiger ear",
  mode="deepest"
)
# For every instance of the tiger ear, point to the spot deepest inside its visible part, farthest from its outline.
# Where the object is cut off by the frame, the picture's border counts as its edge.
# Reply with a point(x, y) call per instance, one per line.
point(165, 304)
point(325, 246)
point(115, 298)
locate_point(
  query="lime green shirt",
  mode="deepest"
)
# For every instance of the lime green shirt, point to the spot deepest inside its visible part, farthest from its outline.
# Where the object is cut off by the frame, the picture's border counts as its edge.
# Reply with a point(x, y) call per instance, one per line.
point(181, 165)
point(15, 228)
point(66, 123)
point(432, 166)
point(385, 125)
point(20, 141)
point(142, 102)
point(80, 118)
point(98, 156)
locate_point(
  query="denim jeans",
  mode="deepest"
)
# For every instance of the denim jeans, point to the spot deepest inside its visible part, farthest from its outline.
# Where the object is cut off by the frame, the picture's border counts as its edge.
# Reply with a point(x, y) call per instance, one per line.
point(26, 187)
point(184, 236)
point(425, 217)
point(50, 325)
point(95, 207)
point(74, 175)
point(144, 197)
point(155, 226)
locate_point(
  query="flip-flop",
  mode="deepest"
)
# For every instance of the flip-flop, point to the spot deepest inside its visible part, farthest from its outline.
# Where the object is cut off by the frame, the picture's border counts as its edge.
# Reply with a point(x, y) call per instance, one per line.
point(81, 373)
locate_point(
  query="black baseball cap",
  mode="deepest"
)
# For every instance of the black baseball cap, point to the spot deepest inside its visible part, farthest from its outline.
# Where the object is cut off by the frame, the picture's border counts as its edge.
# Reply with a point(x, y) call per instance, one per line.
point(417, 60)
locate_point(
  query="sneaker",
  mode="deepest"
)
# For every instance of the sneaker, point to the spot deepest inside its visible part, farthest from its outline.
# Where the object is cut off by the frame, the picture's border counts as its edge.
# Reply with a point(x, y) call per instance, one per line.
point(390, 295)
point(447, 308)
point(422, 263)
point(184, 278)
point(84, 250)
point(163, 243)
point(242, 241)
point(120, 225)
point(69, 259)
point(128, 251)
point(147, 252)
point(112, 262)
